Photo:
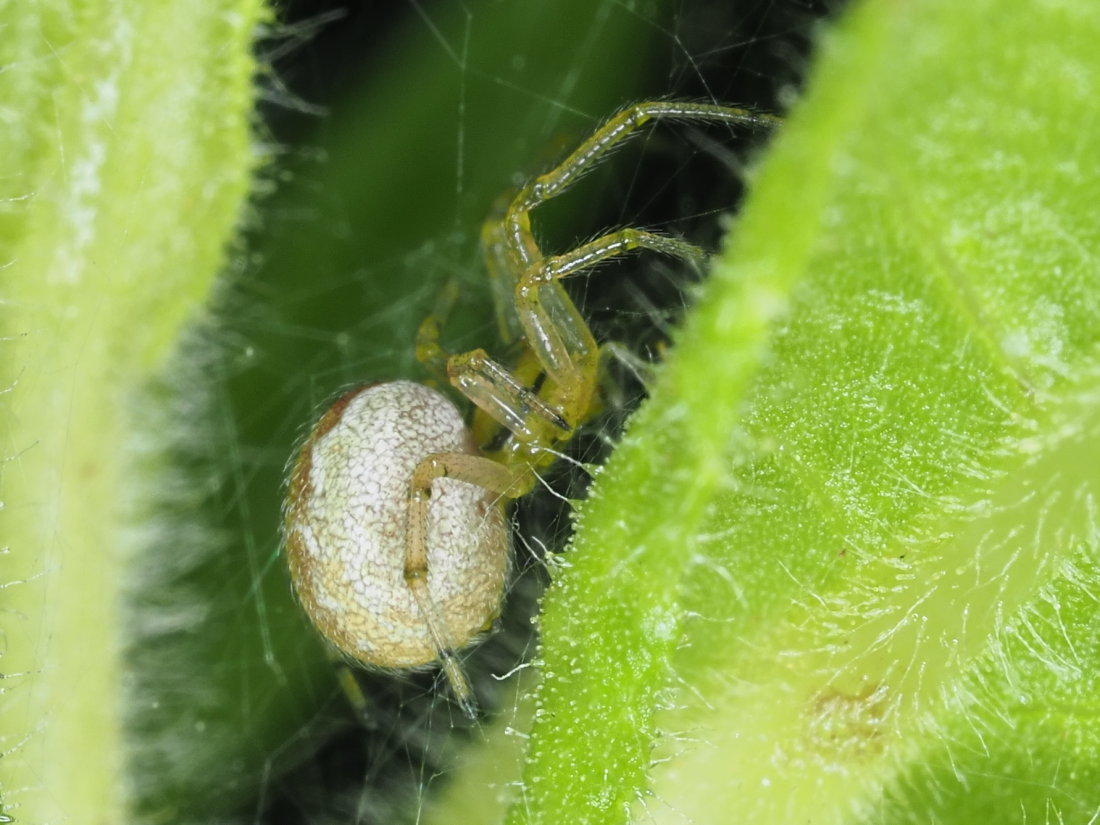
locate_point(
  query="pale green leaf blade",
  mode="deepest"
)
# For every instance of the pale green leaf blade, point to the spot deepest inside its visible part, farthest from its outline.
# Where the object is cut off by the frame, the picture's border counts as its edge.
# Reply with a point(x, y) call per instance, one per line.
point(127, 155)
point(848, 553)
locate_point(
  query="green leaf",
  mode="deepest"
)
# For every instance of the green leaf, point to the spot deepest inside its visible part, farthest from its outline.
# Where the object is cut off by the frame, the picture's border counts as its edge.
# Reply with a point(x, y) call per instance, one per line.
point(843, 568)
point(128, 155)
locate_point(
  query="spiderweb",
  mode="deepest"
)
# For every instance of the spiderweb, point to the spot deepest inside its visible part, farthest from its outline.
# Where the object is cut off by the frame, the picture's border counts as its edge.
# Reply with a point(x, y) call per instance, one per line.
point(391, 132)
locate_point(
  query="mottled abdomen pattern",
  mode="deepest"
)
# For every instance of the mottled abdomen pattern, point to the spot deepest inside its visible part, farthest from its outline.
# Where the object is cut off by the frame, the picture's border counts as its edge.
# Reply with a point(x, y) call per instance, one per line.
point(345, 526)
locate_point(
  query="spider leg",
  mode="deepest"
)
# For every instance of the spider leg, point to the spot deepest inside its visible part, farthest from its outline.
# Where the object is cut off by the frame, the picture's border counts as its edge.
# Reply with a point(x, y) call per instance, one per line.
point(589, 254)
point(437, 628)
point(532, 302)
point(505, 398)
point(502, 267)
point(345, 678)
point(612, 134)
point(429, 352)
point(555, 330)
point(472, 469)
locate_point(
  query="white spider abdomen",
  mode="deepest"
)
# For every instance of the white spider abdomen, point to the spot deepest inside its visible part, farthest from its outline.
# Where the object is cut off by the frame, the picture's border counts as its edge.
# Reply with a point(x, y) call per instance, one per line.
point(345, 527)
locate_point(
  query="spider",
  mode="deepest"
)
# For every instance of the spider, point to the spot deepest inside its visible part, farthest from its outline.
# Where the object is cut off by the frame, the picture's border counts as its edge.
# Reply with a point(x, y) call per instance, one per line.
point(393, 523)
